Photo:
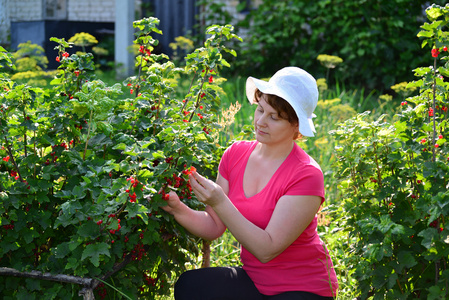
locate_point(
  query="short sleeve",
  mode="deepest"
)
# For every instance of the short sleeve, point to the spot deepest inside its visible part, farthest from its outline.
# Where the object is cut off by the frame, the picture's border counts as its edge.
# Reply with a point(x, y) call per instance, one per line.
point(309, 182)
point(223, 167)
point(232, 156)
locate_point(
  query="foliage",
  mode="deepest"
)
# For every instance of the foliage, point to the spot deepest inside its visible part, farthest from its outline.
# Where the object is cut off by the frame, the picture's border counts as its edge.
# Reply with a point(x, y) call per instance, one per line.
point(215, 12)
point(180, 46)
point(33, 54)
point(329, 61)
point(83, 40)
point(403, 89)
point(376, 39)
point(393, 179)
point(84, 169)
point(30, 62)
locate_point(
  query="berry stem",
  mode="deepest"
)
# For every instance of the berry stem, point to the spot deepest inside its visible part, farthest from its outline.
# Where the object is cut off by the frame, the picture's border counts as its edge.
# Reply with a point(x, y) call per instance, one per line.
point(433, 106)
point(8, 147)
point(198, 97)
point(188, 99)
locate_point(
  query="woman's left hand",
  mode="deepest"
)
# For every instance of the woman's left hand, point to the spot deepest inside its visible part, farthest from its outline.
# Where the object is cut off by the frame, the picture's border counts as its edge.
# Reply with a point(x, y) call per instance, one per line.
point(206, 190)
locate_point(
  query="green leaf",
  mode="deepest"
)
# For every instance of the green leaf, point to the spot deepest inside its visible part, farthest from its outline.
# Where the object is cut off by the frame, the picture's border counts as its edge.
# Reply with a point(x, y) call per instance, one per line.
point(72, 263)
point(120, 146)
point(70, 207)
point(385, 223)
point(428, 236)
point(138, 209)
point(74, 244)
point(425, 33)
point(145, 173)
point(56, 81)
point(61, 250)
point(79, 192)
point(406, 259)
point(64, 220)
point(23, 294)
point(33, 284)
point(88, 229)
point(436, 293)
point(93, 252)
point(29, 235)
point(45, 219)
point(433, 13)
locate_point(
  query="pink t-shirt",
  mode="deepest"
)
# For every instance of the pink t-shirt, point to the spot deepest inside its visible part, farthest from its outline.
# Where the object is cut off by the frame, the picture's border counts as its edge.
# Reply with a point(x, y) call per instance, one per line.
point(305, 265)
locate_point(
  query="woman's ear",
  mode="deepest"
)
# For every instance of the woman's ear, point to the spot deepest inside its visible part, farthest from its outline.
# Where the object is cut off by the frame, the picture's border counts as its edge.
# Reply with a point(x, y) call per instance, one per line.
point(297, 134)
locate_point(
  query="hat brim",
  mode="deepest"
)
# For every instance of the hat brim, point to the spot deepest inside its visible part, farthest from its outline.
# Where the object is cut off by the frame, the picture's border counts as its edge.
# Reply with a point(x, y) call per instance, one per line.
point(306, 127)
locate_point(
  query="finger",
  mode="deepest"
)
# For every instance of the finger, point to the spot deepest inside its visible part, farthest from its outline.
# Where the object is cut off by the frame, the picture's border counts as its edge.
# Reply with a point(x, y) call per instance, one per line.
point(197, 187)
point(172, 196)
point(167, 208)
point(206, 183)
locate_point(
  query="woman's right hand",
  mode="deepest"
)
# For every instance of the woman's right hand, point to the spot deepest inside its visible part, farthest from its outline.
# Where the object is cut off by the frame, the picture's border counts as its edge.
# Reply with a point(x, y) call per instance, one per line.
point(173, 203)
point(204, 223)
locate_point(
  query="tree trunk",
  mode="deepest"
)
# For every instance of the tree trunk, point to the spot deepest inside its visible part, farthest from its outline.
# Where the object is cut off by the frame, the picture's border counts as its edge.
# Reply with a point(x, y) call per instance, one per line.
point(206, 254)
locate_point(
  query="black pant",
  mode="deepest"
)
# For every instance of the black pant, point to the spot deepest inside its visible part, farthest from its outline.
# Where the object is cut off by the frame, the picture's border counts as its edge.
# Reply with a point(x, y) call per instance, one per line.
point(220, 283)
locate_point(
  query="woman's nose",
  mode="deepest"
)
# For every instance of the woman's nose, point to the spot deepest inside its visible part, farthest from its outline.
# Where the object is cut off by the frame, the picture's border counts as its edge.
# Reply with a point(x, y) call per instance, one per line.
point(261, 121)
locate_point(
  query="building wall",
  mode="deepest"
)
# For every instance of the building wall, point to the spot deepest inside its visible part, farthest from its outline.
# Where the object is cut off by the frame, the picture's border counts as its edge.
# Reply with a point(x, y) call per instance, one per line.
point(4, 22)
point(24, 10)
point(94, 10)
point(76, 10)
point(68, 10)
point(91, 10)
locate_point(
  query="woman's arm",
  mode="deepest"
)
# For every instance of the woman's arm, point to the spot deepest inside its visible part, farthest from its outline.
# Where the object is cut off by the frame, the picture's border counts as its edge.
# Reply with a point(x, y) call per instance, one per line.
point(290, 218)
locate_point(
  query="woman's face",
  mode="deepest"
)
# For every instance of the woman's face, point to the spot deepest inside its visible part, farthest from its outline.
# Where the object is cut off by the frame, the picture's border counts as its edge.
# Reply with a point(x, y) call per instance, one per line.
point(269, 126)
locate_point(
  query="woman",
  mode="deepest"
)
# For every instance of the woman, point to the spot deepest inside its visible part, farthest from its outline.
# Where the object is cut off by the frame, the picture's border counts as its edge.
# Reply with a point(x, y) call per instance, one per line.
point(267, 194)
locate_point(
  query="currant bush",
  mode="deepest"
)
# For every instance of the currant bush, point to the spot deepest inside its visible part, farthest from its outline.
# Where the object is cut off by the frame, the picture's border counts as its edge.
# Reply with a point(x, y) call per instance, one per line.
point(86, 166)
point(394, 178)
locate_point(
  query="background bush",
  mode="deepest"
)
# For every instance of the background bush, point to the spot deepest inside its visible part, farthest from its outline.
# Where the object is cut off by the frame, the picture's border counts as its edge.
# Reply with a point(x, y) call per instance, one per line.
point(376, 39)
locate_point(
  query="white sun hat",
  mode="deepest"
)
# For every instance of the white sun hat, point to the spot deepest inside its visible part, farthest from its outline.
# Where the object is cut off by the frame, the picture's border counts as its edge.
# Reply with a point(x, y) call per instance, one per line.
point(295, 86)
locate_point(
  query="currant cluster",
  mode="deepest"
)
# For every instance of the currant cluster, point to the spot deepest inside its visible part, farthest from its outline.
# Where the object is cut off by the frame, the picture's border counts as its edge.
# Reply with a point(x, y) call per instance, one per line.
point(64, 55)
point(114, 231)
point(9, 226)
point(101, 290)
point(180, 183)
point(144, 50)
point(57, 149)
point(134, 185)
point(435, 224)
point(138, 252)
point(149, 280)
point(14, 174)
point(436, 51)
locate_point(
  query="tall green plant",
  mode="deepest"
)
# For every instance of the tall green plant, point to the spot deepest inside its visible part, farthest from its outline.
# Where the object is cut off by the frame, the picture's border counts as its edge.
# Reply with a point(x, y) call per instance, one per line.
point(85, 170)
point(394, 179)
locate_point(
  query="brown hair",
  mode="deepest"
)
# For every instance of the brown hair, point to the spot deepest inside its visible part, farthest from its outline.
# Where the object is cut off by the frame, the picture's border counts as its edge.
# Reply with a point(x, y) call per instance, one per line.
point(282, 107)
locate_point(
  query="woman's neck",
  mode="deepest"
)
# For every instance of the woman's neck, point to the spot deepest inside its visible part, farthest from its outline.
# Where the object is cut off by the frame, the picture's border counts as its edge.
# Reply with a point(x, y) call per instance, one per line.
point(274, 152)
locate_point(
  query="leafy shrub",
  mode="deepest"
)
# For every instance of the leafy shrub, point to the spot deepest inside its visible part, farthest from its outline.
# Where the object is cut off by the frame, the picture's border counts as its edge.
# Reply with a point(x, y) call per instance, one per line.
point(85, 169)
point(376, 39)
point(394, 178)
